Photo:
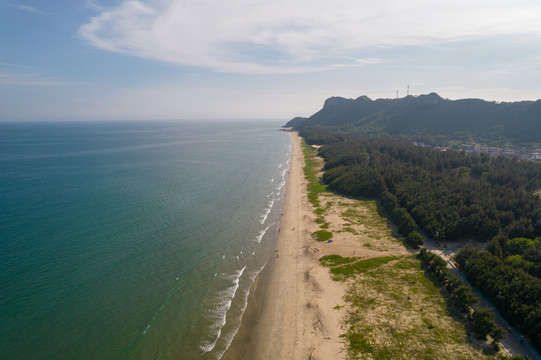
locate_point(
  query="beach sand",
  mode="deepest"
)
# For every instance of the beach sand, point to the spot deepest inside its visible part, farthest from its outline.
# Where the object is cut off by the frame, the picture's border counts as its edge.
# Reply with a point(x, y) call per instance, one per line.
point(295, 310)
point(291, 312)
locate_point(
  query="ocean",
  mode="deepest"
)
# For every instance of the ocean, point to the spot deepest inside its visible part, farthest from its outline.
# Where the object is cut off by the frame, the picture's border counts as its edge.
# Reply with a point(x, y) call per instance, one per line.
point(134, 240)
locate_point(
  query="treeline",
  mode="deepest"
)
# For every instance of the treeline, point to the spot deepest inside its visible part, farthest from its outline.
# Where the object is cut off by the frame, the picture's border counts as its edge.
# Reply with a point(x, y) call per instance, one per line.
point(482, 320)
point(429, 117)
point(450, 195)
point(507, 275)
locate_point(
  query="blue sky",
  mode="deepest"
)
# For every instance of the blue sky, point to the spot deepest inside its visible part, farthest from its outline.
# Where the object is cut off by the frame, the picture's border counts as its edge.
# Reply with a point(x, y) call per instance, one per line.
point(208, 59)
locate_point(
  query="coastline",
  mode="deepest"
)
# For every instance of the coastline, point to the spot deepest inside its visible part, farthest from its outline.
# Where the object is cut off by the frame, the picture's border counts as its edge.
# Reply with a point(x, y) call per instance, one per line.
point(291, 312)
point(295, 310)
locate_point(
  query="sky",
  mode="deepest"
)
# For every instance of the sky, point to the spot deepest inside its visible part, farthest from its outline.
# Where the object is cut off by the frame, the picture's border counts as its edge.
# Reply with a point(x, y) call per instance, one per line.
point(257, 59)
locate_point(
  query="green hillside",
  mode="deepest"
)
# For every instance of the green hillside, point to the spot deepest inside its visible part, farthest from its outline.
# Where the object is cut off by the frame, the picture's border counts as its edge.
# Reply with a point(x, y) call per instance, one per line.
point(432, 118)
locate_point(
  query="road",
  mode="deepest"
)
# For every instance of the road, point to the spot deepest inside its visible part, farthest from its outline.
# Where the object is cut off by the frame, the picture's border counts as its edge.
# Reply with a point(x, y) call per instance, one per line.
point(513, 343)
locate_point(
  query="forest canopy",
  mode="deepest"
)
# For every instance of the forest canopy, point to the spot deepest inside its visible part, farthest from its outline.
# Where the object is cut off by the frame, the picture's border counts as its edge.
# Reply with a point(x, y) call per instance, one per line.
point(450, 195)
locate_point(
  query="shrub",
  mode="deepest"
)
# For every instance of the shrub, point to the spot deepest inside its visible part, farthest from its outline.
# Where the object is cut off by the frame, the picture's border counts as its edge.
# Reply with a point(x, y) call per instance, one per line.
point(415, 240)
point(322, 235)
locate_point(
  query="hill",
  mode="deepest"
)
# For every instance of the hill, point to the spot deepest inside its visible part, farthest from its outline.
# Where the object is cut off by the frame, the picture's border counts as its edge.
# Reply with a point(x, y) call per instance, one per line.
point(430, 117)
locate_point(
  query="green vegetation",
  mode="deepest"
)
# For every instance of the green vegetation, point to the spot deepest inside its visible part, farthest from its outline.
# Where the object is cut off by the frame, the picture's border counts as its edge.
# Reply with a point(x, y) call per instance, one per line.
point(363, 218)
point(513, 286)
point(335, 260)
point(315, 188)
point(395, 312)
point(427, 187)
point(431, 119)
point(311, 172)
point(322, 235)
point(396, 309)
point(343, 268)
point(482, 320)
point(415, 240)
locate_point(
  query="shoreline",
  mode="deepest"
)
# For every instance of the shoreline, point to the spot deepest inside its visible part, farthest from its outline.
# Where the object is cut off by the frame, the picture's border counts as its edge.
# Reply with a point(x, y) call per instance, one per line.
point(296, 311)
point(291, 311)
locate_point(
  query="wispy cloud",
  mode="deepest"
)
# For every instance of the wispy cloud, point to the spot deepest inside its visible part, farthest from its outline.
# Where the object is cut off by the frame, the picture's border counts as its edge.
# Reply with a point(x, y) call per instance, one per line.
point(352, 63)
point(94, 5)
point(284, 36)
point(33, 79)
point(15, 65)
point(30, 9)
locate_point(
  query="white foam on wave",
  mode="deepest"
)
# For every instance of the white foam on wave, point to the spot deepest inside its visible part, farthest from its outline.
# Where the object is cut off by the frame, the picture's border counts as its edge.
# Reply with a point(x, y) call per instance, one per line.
point(245, 293)
point(145, 331)
point(261, 234)
point(282, 183)
point(218, 315)
point(264, 217)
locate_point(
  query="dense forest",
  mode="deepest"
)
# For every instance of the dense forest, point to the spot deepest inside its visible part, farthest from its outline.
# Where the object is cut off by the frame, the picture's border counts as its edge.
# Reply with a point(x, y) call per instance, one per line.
point(482, 320)
point(508, 274)
point(432, 119)
point(452, 196)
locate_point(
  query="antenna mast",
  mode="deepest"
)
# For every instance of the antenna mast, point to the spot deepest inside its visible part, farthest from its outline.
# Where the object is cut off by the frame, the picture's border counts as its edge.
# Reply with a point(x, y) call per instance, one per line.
point(408, 91)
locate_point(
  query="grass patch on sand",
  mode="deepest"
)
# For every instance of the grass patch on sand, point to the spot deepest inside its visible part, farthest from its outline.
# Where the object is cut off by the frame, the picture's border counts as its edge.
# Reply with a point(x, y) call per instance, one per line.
point(312, 167)
point(344, 268)
point(365, 213)
point(396, 312)
point(335, 260)
point(322, 235)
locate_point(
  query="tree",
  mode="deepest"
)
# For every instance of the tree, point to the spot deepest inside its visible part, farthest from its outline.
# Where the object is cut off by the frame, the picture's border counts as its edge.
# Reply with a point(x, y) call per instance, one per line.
point(388, 201)
point(464, 298)
point(415, 240)
point(405, 222)
point(452, 283)
point(517, 246)
point(494, 247)
point(483, 322)
point(497, 335)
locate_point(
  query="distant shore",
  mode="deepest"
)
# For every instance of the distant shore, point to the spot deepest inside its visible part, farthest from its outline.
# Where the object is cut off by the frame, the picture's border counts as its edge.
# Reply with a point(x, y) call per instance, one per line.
point(291, 310)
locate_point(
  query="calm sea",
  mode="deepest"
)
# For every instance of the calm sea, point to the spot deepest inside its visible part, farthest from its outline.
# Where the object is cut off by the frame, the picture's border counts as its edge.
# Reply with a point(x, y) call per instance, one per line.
point(134, 240)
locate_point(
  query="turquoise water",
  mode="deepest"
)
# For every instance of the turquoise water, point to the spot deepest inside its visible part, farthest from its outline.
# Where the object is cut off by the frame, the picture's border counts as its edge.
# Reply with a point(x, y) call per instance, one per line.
point(133, 240)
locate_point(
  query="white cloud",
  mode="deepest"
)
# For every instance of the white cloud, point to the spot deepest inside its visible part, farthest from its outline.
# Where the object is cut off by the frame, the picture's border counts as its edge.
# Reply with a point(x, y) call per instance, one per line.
point(31, 9)
point(286, 36)
point(15, 65)
point(352, 63)
point(94, 5)
point(8, 78)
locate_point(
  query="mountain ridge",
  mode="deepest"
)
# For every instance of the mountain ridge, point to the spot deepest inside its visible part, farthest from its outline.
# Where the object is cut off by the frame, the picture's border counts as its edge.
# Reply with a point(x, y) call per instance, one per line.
point(431, 115)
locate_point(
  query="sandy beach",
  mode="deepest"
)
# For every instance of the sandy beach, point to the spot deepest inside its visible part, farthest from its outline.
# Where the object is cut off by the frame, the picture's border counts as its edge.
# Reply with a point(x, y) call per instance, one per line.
point(298, 319)
point(291, 311)
point(295, 309)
